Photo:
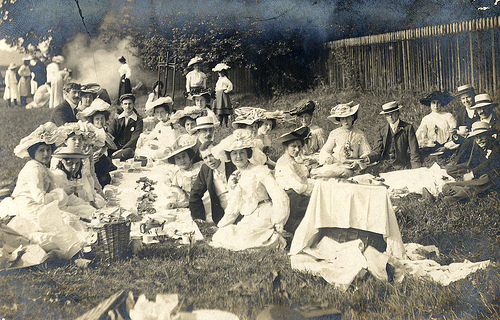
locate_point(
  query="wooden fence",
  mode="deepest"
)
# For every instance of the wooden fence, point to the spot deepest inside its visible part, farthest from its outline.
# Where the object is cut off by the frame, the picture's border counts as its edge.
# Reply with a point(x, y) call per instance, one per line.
point(423, 59)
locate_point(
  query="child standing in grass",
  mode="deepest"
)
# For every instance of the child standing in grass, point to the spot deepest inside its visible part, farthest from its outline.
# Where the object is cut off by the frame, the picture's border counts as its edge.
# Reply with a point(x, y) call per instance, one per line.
point(223, 107)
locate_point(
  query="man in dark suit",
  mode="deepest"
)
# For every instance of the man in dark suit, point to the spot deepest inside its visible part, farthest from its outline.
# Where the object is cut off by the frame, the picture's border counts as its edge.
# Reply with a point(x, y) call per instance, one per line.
point(126, 129)
point(66, 111)
point(396, 147)
point(485, 174)
point(213, 177)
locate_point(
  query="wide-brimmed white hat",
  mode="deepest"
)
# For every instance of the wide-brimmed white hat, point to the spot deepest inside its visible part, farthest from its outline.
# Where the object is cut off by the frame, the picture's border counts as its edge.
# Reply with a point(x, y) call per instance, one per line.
point(390, 107)
point(248, 116)
point(97, 105)
point(343, 110)
point(203, 123)
point(483, 100)
point(480, 128)
point(47, 133)
point(12, 66)
point(220, 67)
point(158, 102)
point(58, 59)
point(86, 129)
point(70, 152)
point(195, 60)
point(93, 88)
point(178, 149)
point(240, 139)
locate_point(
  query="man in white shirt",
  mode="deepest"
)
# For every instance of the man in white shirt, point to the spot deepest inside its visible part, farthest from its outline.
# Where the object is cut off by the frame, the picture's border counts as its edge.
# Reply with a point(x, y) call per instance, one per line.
point(213, 177)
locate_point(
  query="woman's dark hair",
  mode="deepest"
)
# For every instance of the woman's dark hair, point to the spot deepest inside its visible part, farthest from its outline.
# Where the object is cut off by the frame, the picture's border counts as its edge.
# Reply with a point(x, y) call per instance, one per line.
point(78, 174)
point(260, 122)
point(105, 113)
point(355, 117)
point(165, 106)
point(286, 143)
point(158, 83)
point(182, 120)
point(248, 150)
point(33, 148)
point(223, 72)
point(191, 153)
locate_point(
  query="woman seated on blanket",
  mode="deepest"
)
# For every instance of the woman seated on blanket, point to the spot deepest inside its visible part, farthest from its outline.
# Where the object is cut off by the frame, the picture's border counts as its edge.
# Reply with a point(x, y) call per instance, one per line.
point(436, 129)
point(254, 194)
point(185, 173)
point(265, 125)
point(160, 140)
point(292, 176)
point(317, 136)
point(83, 135)
point(42, 211)
point(98, 115)
point(346, 150)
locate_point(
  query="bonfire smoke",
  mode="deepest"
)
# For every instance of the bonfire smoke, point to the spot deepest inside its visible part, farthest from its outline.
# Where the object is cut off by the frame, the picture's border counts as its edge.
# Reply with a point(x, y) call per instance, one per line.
point(94, 61)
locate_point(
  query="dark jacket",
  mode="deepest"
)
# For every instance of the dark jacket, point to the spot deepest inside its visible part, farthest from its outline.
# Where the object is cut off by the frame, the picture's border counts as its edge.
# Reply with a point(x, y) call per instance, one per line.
point(464, 120)
point(63, 113)
point(490, 165)
point(406, 146)
point(126, 136)
point(204, 182)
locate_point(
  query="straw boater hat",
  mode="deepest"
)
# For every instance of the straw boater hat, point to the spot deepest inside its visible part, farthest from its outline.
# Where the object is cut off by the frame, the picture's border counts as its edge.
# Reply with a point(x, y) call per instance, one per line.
point(70, 152)
point(195, 60)
point(390, 107)
point(12, 66)
point(58, 59)
point(297, 134)
point(248, 116)
point(220, 67)
point(480, 128)
point(47, 133)
point(203, 123)
point(167, 101)
point(443, 97)
point(483, 100)
point(127, 96)
point(180, 148)
point(303, 107)
point(465, 89)
point(343, 110)
point(97, 105)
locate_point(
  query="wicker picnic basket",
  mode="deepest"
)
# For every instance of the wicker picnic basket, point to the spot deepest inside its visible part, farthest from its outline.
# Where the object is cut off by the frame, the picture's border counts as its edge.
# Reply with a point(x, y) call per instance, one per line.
point(342, 235)
point(112, 241)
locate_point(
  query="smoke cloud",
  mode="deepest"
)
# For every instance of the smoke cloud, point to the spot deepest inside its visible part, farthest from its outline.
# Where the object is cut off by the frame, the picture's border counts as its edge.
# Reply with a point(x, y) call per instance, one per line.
point(96, 61)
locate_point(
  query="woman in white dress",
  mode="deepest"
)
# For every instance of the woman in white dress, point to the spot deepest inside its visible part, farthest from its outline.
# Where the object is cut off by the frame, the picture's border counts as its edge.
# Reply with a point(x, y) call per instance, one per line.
point(11, 93)
point(24, 81)
point(346, 150)
point(56, 78)
point(222, 106)
point(254, 194)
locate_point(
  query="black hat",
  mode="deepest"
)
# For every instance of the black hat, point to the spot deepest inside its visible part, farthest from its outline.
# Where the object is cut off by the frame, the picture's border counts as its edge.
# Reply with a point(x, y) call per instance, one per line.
point(307, 107)
point(122, 59)
point(443, 97)
point(297, 134)
point(127, 96)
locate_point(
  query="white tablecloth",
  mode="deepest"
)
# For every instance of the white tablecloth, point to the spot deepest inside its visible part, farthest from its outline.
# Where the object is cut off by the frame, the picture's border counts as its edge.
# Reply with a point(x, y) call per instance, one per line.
point(347, 205)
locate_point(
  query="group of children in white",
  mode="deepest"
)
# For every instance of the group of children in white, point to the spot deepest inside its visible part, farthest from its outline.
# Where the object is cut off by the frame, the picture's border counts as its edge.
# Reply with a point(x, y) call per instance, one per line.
point(254, 201)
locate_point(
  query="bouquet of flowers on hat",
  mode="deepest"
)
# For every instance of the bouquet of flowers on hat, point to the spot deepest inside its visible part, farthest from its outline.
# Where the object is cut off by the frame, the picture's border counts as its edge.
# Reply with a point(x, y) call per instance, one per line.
point(47, 133)
point(86, 129)
point(342, 109)
point(249, 113)
point(192, 112)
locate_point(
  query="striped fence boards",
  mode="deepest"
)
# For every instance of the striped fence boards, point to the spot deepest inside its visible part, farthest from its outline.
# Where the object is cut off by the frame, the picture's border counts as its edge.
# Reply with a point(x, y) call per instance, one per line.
point(431, 58)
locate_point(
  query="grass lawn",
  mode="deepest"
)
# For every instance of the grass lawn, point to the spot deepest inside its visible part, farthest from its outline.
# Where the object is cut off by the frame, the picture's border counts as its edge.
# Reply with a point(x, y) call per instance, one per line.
point(245, 282)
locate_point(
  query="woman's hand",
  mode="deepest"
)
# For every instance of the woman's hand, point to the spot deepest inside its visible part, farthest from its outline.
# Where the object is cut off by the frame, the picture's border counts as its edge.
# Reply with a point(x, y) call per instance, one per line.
point(71, 190)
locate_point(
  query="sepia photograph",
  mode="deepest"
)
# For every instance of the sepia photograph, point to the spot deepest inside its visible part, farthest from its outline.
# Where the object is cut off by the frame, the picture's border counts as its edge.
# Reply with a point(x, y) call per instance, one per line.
point(249, 159)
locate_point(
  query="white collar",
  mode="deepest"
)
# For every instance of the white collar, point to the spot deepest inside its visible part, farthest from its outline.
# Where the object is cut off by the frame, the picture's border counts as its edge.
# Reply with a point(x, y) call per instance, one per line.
point(488, 119)
point(394, 126)
point(470, 112)
point(133, 116)
point(221, 168)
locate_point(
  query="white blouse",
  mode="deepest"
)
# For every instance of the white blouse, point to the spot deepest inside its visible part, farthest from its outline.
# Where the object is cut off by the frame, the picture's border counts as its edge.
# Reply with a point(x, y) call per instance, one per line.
point(344, 144)
point(224, 84)
point(291, 175)
point(435, 127)
point(195, 79)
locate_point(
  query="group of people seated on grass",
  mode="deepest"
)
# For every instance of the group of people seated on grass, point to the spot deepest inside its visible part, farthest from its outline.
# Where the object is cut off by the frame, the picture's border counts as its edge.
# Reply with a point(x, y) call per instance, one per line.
point(254, 200)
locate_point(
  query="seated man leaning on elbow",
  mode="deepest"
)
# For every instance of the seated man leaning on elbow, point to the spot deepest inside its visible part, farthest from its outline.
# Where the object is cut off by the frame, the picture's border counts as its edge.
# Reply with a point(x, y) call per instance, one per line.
point(396, 147)
point(213, 177)
point(126, 129)
point(486, 175)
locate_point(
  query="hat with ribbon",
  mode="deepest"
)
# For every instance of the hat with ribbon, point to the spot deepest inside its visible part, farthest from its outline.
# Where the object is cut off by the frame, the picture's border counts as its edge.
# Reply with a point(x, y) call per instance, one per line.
point(483, 100)
point(390, 107)
point(47, 133)
point(480, 128)
point(443, 97)
point(465, 89)
point(70, 152)
point(301, 133)
point(160, 102)
point(220, 67)
point(97, 105)
point(343, 110)
point(195, 60)
point(203, 123)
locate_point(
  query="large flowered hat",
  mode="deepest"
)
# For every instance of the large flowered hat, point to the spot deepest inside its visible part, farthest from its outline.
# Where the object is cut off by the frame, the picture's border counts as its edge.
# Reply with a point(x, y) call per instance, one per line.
point(343, 110)
point(192, 112)
point(86, 129)
point(97, 105)
point(248, 115)
point(240, 139)
point(47, 133)
point(92, 88)
point(161, 101)
point(195, 60)
point(220, 66)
